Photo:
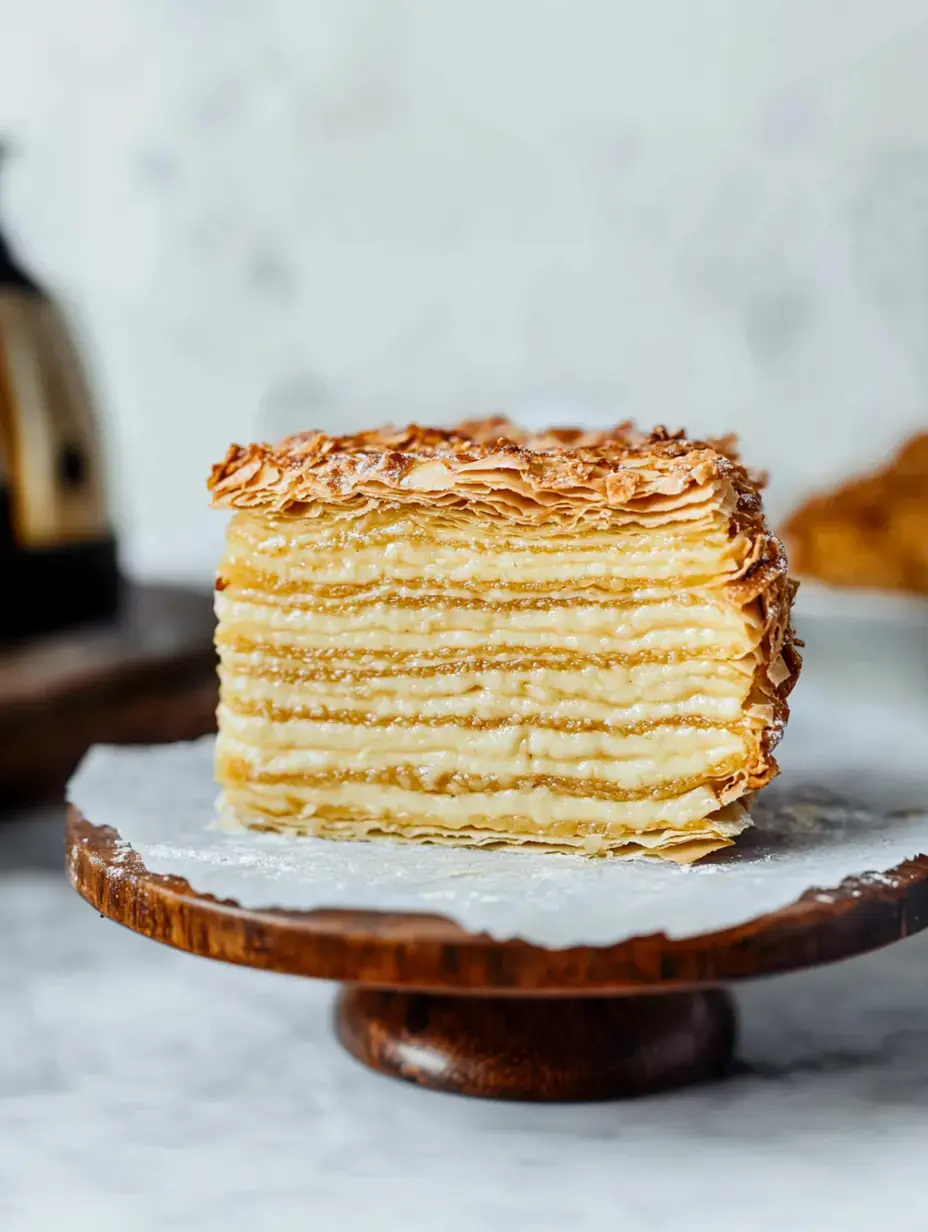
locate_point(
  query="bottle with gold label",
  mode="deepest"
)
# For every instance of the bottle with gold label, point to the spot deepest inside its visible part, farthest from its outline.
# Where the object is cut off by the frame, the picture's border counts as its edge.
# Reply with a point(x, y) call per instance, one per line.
point(57, 552)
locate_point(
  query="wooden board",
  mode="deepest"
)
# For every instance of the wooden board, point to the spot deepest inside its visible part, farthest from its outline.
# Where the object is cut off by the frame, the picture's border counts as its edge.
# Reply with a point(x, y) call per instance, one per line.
point(147, 676)
point(457, 1011)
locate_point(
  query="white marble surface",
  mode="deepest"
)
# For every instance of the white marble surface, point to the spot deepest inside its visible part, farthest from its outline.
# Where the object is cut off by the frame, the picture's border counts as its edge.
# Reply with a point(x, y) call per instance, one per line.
point(143, 1090)
point(300, 213)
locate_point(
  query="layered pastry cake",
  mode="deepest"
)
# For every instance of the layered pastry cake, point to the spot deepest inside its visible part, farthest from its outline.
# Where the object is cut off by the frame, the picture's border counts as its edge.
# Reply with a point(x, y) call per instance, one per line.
point(870, 532)
point(562, 642)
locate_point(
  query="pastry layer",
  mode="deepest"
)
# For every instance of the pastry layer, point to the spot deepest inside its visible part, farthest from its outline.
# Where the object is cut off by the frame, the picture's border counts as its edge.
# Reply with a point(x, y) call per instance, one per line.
point(601, 669)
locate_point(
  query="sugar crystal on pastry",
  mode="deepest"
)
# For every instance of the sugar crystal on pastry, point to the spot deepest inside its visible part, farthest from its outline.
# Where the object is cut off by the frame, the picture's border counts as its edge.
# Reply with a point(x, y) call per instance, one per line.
point(565, 641)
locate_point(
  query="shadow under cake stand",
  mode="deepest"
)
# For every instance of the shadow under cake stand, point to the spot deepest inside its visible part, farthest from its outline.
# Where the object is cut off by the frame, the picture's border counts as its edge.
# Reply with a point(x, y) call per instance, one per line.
point(426, 1001)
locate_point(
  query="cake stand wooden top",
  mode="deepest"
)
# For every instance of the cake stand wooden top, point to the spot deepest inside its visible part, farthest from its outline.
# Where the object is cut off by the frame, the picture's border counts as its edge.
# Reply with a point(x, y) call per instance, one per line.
point(406, 951)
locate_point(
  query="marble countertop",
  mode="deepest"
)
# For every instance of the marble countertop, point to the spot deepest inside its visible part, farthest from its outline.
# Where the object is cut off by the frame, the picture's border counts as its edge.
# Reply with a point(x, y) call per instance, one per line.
point(143, 1089)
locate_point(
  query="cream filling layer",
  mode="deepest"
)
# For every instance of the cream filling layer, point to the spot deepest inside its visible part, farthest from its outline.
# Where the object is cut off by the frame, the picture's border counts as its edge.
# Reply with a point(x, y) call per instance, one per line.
point(623, 685)
point(465, 566)
point(631, 762)
point(582, 630)
point(334, 528)
point(511, 810)
point(546, 696)
point(299, 553)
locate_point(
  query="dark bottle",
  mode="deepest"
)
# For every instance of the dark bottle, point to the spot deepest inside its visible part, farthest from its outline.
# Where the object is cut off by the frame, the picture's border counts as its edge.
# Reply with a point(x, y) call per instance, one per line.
point(58, 561)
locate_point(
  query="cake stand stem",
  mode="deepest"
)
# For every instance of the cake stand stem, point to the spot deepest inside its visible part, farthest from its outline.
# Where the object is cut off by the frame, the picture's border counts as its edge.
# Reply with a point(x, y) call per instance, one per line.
point(540, 1048)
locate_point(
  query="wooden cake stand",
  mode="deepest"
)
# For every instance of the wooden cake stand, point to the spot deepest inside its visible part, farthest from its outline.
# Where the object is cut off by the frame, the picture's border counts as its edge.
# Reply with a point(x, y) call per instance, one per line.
point(426, 1001)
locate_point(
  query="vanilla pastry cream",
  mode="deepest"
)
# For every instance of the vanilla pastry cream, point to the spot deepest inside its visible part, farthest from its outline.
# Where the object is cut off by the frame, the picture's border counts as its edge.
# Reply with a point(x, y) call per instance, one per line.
point(563, 642)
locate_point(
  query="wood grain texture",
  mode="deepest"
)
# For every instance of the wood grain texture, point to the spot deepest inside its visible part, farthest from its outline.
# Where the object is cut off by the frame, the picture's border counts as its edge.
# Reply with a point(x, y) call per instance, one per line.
point(148, 676)
point(428, 953)
point(530, 1048)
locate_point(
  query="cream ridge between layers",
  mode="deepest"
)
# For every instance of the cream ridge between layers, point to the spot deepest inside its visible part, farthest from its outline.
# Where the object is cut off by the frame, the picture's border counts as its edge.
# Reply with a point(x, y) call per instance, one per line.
point(416, 671)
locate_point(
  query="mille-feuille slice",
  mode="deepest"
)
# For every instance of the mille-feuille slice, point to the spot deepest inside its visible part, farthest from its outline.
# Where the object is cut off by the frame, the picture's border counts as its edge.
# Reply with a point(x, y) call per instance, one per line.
point(561, 642)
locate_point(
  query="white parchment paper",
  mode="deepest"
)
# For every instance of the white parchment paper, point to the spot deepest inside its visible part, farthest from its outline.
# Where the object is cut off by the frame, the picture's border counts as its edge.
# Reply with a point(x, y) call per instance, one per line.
point(853, 799)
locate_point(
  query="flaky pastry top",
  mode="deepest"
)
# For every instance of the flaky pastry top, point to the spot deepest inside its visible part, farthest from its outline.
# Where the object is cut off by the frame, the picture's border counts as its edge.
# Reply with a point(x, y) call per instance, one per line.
point(483, 462)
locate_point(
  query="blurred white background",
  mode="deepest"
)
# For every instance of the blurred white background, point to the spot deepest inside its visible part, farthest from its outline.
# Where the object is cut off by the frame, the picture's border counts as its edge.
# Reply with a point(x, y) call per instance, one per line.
point(276, 214)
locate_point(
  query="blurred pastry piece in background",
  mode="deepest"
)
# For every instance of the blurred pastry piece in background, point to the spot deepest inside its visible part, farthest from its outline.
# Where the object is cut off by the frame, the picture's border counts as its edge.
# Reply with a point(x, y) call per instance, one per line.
point(871, 531)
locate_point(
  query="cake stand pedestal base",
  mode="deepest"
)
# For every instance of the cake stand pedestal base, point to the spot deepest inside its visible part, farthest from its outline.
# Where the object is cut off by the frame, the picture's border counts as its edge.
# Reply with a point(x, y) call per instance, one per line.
point(540, 1048)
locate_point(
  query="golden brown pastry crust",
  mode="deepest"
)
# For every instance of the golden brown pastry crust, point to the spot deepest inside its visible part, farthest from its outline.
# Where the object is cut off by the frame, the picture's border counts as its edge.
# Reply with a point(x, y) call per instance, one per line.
point(479, 459)
point(870, 532)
